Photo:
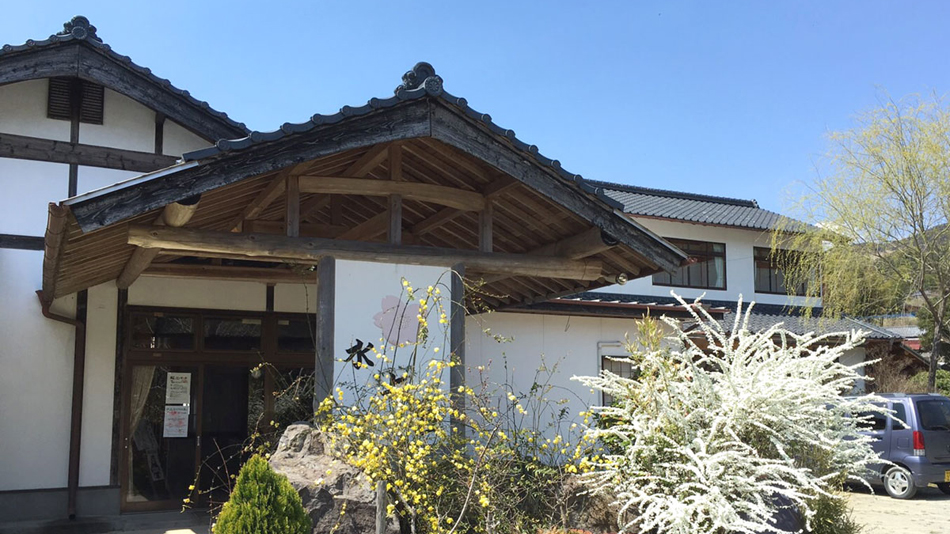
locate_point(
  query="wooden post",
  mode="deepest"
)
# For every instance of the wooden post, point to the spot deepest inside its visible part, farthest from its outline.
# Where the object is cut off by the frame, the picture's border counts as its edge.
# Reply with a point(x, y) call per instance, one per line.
point(293, 206)
point(485, 228)
point(326, 304)
point(457, 336)
point(381, 507)
point(395, 219)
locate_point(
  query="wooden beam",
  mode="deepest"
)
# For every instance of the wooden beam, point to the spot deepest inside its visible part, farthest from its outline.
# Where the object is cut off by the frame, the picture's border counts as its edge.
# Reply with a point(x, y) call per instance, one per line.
point(37, 149)
point(326, 231)
point(217, 272)
point(194, 242)
point(492, 191)
point(274, 189)
point(174, 215)
point(408, 120)
point(325, 327)
point(585, 244)
point(371, 159)
point(368, 229)
point(436, 194)
point(395, 220)
point(292, 219)
point(313, 205)
point(459, 132)
point(485, 228)
point(395, 162)
point(21, 242)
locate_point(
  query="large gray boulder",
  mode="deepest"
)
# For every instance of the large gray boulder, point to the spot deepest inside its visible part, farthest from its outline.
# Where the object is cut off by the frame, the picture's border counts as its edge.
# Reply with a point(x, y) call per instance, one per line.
point(326, 485)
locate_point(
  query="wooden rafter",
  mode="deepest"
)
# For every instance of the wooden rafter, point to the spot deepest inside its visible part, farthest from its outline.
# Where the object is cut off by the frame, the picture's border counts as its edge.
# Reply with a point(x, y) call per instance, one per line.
point(174, 215)
point(284, 249)
point(437, 194)
point(492, 191)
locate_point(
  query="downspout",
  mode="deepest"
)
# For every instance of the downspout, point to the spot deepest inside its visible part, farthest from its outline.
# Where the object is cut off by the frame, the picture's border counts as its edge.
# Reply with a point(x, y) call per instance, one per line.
point(79, 369)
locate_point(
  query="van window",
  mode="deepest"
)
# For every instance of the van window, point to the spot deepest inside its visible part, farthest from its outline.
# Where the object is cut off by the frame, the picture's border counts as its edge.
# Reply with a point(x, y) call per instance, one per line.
point(934, 414)
point(900, 412)
point(871, 421)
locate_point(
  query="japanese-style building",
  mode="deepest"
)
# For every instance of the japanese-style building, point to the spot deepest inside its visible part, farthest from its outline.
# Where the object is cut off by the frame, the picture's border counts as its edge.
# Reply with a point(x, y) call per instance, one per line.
point(189, 251)
point(166, 289)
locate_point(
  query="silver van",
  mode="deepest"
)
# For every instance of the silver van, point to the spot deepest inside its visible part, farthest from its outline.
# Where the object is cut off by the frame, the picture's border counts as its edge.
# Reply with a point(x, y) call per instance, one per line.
point(919, 448)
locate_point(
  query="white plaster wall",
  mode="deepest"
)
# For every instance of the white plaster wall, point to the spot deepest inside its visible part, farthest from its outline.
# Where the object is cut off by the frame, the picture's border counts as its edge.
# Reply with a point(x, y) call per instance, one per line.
point(36, 356)
point(92, 178)
point(186, 293)
point(295, 298)
point(740, 269)
point(360, 289)
point(23, 111)
point(28, 188)
point(125, 124)
point(98, 385)
point(178, 140)
point(856, 356)
point(566, 345)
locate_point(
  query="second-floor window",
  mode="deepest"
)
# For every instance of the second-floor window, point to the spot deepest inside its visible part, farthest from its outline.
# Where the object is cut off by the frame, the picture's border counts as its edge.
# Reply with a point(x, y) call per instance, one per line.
point(708, 270)
point(769, 274)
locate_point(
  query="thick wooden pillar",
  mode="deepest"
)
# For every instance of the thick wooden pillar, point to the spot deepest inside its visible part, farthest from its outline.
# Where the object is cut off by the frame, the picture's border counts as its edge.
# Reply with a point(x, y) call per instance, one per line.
point(457, 334)
point(325, 325)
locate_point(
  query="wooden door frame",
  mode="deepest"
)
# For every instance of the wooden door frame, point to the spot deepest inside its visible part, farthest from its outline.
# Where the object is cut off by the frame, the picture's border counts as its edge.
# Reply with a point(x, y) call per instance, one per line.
point(198, 358)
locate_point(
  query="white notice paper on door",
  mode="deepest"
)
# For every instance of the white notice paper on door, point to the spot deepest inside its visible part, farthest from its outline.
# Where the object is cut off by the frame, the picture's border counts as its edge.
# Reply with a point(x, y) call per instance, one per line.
point(176, 422)
point(178, 388)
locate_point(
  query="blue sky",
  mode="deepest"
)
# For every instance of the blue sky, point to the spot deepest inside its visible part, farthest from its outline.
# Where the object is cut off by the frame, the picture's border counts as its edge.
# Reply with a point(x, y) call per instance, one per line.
point(723, 98)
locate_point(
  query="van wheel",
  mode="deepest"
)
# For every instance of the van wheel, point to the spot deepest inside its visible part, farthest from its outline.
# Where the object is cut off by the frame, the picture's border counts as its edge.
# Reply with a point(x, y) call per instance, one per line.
point(944, 487)
point(899, 483)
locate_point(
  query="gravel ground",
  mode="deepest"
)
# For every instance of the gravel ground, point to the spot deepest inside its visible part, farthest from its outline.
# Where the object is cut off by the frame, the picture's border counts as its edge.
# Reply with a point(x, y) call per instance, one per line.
point(927, 513)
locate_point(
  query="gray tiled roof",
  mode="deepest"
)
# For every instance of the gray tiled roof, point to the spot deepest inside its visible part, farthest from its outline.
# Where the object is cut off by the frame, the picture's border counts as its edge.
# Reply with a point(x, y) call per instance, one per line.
point(763, 317)
point(690, 207)
point(420, 82)
point(78, 29)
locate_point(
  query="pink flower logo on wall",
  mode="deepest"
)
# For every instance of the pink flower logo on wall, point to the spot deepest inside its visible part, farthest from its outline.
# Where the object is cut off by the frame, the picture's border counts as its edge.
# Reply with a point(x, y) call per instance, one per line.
point(398, 320)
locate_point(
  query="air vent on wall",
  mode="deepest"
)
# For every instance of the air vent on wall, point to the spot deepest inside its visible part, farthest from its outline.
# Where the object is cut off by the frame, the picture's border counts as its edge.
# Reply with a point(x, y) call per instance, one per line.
point(89, 97)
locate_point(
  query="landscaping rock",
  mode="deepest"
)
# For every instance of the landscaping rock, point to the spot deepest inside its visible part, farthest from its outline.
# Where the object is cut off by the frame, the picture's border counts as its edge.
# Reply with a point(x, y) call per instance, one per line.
point(326, 485)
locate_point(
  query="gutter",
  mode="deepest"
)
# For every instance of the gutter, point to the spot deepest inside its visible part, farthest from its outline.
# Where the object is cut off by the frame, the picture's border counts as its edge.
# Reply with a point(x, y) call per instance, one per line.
point(79, 370)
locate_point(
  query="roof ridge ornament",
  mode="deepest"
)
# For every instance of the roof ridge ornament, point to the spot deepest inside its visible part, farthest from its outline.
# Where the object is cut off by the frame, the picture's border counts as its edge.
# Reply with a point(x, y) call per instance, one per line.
point(80, 28)
point(422, 75)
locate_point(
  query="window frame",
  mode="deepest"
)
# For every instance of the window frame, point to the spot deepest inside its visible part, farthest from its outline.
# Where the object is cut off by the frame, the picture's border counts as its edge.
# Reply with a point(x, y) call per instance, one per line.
point(773, 266)
point(709, 255)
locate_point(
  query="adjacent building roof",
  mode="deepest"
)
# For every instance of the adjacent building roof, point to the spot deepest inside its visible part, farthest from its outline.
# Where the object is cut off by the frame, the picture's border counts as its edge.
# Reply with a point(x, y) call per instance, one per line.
point(77, 51)
point(799, 320)
point(689, 207)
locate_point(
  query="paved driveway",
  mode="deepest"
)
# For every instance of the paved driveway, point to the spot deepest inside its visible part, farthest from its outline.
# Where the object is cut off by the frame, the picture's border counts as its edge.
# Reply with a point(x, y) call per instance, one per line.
point(927, 513)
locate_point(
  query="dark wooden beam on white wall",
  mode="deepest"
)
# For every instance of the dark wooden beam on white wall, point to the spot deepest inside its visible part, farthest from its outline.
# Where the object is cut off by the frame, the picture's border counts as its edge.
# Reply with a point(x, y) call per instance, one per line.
point(37, 149)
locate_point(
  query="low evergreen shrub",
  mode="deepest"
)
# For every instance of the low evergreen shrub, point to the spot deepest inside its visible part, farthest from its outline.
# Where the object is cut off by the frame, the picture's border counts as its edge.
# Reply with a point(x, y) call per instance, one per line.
point(262, 502)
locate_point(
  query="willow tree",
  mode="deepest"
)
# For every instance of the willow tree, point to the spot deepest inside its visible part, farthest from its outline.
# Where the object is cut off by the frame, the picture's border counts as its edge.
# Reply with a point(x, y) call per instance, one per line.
point(880, 234)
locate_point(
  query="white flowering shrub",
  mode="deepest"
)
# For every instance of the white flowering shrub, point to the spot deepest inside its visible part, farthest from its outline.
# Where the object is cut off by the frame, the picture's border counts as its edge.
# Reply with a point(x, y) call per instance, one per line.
point(718, 426)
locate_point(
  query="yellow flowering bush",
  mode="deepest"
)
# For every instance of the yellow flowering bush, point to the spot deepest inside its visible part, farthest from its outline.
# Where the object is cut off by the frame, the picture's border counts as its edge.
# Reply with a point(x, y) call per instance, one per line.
point(473, 459)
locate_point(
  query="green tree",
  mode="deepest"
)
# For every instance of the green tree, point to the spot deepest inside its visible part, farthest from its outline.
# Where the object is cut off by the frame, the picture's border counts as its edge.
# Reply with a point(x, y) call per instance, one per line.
point(262, 502)
point(880, 233)
point(925, 320)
